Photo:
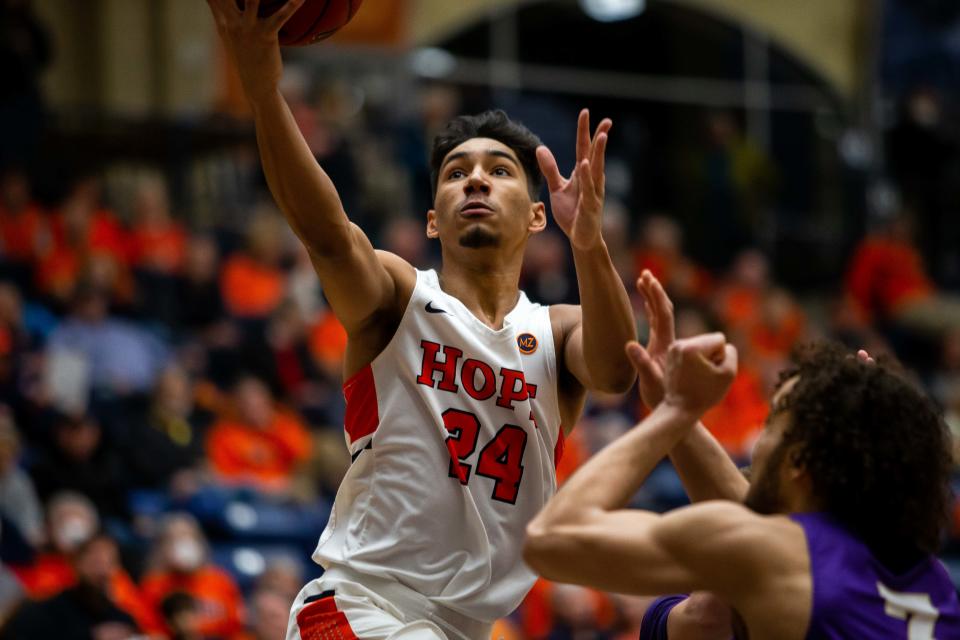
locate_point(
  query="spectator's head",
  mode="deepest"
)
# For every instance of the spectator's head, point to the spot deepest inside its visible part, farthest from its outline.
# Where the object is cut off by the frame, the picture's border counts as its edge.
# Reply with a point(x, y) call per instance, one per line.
point(90, 303)
point(924, 107)
point(181, 612)
point(14, 190)
point(95, 561)
point(11, 305)
point(751, 269)
point(271, 611)
point(661, 235)
point(71, 520)
point(151, 202)
point(173, 393)
point(495, 125)
point(574, 606)
point(283, 575)
point(404, 237)
point(76, 437)
point(9, 441)
point(203, 259)
point(266, 236)
point(861, 443)
point(722, 128)
point(253, 402)
point(180, 546)
point(438, 105)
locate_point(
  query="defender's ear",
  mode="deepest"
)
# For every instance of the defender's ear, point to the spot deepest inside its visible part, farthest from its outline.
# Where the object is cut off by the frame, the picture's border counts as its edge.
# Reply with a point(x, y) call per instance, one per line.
point(538, 218)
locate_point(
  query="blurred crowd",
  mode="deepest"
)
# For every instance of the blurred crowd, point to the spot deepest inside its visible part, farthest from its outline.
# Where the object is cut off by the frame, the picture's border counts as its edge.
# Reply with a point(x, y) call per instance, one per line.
point(170, 404)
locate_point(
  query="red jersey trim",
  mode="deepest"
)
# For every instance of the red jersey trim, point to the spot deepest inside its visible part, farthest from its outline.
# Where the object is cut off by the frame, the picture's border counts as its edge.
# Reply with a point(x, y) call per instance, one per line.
point(362, 415)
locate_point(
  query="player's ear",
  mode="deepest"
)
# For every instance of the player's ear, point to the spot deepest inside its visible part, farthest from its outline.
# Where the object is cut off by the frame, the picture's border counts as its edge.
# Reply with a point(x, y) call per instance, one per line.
point(538, 218)
point(432, 231)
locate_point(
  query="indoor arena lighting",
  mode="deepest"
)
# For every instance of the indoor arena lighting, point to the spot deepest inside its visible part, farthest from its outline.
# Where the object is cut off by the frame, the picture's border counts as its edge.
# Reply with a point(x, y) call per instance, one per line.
point(613, 10)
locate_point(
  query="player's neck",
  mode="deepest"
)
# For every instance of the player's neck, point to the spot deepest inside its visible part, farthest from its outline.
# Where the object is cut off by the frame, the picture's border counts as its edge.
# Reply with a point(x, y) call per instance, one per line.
point(489, 291)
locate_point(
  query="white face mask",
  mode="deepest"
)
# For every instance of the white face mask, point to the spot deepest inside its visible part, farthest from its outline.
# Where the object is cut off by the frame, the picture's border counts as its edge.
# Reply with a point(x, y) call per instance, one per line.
point(186, 554)
point(72, 533)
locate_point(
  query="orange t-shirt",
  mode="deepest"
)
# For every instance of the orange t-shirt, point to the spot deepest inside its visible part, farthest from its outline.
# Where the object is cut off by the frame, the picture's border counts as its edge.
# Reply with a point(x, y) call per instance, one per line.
point(220, 604)
point(884, 274)
point(160, 249)
point(251, 289)
point(51, 573)
point(268, 457)
point(328, 340)
point(23, 233)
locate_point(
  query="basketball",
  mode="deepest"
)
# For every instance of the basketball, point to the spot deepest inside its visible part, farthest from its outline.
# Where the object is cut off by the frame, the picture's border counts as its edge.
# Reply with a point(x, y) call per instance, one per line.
point(314, 21)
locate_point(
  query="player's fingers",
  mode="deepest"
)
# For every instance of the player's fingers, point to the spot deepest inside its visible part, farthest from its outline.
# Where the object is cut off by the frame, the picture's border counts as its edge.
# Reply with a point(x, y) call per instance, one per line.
point(221, 9)
point(583, 135)
point(730, 361)
point(604, 127)
point(664, 307)
point(250, 9)
point(278, 19)
point(598, 161)
point(585, 175)
point(710, 345)
point(640, 359)
point(548, 166)
point(864, 356)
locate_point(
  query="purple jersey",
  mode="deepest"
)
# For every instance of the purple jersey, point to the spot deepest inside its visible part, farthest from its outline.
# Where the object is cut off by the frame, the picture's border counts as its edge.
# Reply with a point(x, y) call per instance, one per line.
point(854, 596)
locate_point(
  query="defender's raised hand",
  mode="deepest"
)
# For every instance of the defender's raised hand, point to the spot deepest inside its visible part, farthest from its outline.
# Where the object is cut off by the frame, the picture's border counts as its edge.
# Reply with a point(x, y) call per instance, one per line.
point(253, 42)
point(651, 361)
point(699, 372)
point(577, 201)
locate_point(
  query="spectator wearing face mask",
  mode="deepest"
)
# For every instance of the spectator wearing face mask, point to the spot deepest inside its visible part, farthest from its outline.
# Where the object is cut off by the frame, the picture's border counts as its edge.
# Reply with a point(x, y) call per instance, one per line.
point(72, 520)
point(181, 563)
point(84, 610)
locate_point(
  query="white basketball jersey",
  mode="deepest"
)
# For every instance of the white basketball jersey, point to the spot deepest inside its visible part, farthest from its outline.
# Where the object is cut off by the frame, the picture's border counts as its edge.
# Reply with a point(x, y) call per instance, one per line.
point(454, 428)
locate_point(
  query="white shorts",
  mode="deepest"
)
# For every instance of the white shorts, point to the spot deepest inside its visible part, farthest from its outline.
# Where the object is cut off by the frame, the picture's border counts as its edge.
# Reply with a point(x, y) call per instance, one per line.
point(342, 605)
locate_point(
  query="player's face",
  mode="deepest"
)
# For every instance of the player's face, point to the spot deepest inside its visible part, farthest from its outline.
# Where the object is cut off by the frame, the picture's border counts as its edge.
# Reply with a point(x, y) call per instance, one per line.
point(482, 197)
point(769, 457)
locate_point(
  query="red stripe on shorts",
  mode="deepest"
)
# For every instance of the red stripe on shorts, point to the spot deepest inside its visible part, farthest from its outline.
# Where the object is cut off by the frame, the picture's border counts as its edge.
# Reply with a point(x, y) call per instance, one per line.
point(362, 416)
point(320, 620)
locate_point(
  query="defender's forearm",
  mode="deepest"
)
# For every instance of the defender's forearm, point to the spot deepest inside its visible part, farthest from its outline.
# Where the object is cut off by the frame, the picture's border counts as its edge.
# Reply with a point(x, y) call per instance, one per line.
point(610, 478)
point(705, 469)
point(608, 322)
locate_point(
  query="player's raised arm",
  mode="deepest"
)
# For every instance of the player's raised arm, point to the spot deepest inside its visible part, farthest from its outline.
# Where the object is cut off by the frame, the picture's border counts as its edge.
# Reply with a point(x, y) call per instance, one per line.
point(358, 283)
point(705, 469)
point(583, 535)
point(595, 332)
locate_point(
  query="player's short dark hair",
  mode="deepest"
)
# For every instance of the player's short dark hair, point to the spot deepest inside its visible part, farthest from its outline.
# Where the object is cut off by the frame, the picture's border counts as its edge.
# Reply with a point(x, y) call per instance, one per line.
point(496, 125)
point(875, 447)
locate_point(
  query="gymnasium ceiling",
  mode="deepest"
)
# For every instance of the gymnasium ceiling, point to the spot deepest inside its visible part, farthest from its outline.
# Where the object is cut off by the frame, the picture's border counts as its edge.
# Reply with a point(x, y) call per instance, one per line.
point(823, 34)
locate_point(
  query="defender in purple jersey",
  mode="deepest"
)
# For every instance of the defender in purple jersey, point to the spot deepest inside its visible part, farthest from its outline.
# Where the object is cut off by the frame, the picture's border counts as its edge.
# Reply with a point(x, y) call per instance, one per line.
point(834, 537)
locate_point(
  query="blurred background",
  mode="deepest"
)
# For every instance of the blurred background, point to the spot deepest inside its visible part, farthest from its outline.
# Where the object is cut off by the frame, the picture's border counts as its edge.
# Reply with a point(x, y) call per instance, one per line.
point(170, 372)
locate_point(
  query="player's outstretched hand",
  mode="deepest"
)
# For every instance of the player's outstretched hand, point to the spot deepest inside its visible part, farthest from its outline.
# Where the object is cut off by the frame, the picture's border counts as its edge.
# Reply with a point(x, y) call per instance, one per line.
point(577, 201)
point(253, 42)
point(650, 361)
point(699, 371)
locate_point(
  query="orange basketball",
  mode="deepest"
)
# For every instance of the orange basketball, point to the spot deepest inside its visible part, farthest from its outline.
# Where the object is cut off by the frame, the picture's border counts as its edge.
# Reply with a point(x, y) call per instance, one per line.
point(314, 21)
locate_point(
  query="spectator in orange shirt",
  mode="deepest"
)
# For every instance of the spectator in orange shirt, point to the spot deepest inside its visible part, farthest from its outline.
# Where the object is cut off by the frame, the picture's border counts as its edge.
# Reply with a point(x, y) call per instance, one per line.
point(661, 251)
point(85, 609)
point(24, 230)
point(259, 444)
point(157, 242)
point(180, 563)
point(72, 520)
point(87, 241)
point(252, 283)
point(888, 282)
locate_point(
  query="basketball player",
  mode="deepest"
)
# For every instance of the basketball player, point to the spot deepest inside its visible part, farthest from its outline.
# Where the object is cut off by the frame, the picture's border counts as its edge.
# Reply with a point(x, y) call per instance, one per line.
point(458, 387)
point(837, 534)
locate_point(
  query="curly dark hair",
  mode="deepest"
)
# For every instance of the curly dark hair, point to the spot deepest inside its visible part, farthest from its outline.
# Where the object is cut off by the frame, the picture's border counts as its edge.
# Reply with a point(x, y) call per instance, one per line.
point(875, 447)
point(496, 125)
